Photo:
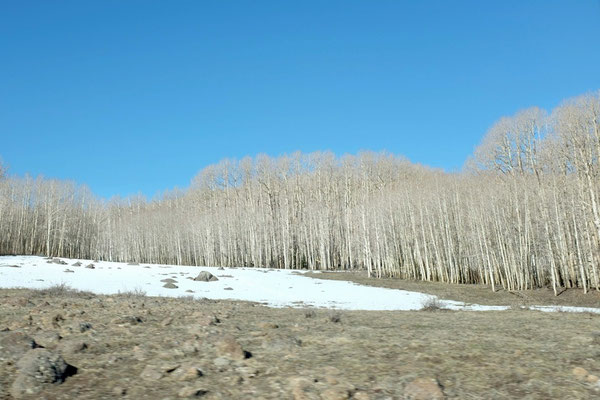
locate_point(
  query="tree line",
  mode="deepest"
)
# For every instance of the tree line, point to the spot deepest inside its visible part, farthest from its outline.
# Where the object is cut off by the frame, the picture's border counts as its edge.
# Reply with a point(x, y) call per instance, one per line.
point(522, 214)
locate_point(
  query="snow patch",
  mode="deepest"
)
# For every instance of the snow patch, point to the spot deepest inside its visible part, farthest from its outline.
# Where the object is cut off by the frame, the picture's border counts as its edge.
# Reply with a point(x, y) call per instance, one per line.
point(288, 288)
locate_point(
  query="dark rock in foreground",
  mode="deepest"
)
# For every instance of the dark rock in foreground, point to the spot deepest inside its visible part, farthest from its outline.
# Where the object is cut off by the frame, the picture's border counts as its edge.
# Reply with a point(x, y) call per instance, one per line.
point(38, 368)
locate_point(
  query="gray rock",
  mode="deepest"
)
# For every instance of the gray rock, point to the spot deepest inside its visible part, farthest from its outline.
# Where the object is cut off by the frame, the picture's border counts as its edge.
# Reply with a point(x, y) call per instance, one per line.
point(90, 266)
point(76, 264)
point(151, 373)
point(38, 368)
point(205, 276)
point(168, 280)
point(72, 347)
point(170, 286)
point(47, 338)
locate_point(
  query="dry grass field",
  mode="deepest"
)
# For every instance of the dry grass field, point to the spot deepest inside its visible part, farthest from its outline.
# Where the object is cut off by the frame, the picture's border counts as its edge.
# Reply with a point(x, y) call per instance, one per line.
point(136, 347)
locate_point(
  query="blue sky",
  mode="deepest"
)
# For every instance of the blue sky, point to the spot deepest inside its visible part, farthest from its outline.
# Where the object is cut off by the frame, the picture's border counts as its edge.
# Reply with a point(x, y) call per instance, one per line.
point(138, 96)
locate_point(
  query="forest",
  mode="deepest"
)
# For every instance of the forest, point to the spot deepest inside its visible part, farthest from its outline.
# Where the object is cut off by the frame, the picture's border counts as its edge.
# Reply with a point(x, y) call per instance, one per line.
point(523, 213)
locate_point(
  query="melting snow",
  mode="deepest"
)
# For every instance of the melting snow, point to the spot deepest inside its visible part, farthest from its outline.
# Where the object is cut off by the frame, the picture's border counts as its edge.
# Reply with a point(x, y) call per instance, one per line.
point(275, 288)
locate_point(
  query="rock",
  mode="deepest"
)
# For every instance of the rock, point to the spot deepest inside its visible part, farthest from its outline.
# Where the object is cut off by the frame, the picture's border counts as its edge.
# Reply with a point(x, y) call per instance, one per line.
point(127, 319)
point(336, 393)
point(228, 288)
point(593, 379)
point(39, 367)
point(47, 338)
point(53, 321)
point(133, 263)
point(170, 286)
point(188, 373)
point(580, 373)
point(205, 276)
point(361, 396)
point(13, 345)
point(189, 291)
point(190, 346)
point(221, 269)
point(424, 389)
point(167, 321)
point(68, 270)
point(76, 264)
point(169, 280)
point(119, 391)
point(90, 266)
point(302, 389)
point(151, 373)
point(202, 320)
point(58, 261)
point(268, 325)
point(187, 392)
point(222, 362)
point(72, 346)
point(228, 347)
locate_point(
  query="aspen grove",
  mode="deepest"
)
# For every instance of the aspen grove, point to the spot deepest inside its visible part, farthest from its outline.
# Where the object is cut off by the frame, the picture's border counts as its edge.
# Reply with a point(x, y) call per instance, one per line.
point(524, 212)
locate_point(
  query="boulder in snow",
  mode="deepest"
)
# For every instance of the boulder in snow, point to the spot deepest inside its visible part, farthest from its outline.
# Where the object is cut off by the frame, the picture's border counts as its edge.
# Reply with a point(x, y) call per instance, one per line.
point(205, 276)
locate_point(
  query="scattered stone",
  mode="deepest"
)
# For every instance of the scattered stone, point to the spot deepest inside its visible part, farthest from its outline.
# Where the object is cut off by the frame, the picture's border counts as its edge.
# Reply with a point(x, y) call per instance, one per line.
point(188, 373)
point(151, 373)
point(268, 325)
point(127, 319)
point(222, 362)
point(310, 314)
point(424, 389)
point(133, 263)
point(170, 286)
point(229, 347)
point(11, 266)
point(119, 391)
point(39, 367)
point(361, 396)
point(336, 393)
point(302, 389)
point(84, 327)
point(228, 288)
point(76, 264)
point(221, 269)
point(205, 276)
point(204, 319)
point(580, 373)
point(68, 270)
point(47, 338)
point(335, 318)
point(58, 261)
point(187, 392)
point(72, 347)
point(90, 266)
point(168, 280)
point(189, 291)
point(593, 379)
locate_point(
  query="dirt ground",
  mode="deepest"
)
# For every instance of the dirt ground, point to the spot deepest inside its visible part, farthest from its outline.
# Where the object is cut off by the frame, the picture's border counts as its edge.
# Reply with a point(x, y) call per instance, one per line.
point(136, 347)
point(477, 294)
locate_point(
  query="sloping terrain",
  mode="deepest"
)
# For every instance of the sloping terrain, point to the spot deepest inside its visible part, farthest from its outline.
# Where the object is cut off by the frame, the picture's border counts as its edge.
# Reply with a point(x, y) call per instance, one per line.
point(136, 347)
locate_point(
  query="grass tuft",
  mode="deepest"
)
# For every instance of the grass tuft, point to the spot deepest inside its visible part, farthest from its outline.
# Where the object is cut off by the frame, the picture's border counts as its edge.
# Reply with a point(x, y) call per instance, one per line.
point(61, 290)
point(432, 304)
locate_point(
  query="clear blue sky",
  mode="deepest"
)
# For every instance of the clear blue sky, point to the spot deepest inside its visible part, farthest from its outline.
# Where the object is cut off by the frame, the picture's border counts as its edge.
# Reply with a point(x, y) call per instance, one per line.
point(138, 96)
